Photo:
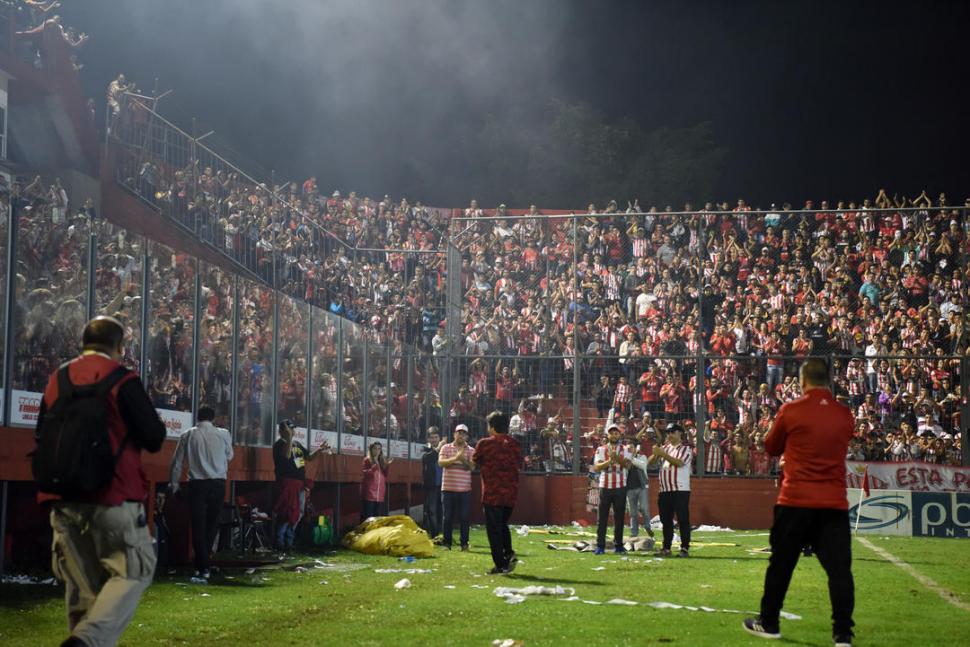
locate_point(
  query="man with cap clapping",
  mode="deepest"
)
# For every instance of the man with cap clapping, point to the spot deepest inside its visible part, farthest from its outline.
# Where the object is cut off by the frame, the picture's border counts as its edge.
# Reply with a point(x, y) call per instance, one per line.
point(612, 460)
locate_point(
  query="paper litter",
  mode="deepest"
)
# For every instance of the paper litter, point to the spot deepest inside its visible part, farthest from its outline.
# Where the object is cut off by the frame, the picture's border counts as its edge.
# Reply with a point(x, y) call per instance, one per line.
point(621, 601)
point(707, 528)
point(409, 571)
point(517, 596)
point(26, 579)
point(450, 586)
point(402, 584)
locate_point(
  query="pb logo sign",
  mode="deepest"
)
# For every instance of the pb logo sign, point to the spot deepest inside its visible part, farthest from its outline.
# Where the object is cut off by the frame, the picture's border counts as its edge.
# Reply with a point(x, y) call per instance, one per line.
point(941, 514)
point(886, 513)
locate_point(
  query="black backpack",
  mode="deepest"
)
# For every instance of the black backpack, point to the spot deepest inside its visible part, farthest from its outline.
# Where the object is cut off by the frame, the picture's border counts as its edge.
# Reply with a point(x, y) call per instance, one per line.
point(73, 454)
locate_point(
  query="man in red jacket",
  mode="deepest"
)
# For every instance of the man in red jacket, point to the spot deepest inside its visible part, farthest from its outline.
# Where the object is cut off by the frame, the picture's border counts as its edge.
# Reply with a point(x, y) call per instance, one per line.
point(102, 548)
point(813, 432)
point(498, 457)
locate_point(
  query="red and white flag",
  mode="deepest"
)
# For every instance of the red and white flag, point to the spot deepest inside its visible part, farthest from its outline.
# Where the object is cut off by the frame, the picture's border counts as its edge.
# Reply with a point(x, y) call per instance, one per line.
point(865, 481)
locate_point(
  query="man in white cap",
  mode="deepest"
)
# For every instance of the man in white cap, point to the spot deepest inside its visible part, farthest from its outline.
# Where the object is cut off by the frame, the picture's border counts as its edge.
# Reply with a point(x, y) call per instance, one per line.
point(455, 460)
point(612, 460)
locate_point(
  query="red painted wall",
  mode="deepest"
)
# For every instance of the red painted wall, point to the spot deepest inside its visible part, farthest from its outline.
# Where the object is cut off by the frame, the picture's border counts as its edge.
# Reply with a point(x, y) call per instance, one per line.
point(742, 504)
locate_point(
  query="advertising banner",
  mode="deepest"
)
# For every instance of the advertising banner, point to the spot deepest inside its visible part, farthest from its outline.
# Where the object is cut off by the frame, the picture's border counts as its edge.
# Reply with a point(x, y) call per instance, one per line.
point(176, 422)
point(24, 407)
point(911, 514)
point(884, 512)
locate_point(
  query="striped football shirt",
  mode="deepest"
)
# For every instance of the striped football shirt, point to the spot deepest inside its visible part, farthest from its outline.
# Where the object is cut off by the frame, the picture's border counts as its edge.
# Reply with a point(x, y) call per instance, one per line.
point(673, 478)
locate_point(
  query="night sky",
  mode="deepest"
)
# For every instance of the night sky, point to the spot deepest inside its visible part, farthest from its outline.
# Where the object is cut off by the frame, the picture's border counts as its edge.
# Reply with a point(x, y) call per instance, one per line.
point(821, 100)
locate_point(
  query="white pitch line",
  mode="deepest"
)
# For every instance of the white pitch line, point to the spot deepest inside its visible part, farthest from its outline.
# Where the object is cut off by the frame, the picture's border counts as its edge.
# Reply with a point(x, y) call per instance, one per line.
point(946, 594)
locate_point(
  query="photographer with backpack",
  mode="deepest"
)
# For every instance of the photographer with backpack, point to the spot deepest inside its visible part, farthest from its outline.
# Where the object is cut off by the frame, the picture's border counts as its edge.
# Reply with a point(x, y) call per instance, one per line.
point(95, 419)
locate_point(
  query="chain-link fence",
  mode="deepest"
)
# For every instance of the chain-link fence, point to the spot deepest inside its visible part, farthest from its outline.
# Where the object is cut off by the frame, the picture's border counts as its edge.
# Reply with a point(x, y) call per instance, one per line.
point(702, 318)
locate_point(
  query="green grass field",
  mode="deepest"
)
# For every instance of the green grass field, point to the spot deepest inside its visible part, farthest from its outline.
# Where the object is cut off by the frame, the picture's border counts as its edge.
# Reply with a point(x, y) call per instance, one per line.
point(348, 603)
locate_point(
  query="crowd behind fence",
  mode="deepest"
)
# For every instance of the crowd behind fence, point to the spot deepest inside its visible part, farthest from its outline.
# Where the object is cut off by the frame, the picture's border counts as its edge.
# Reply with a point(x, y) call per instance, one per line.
point(361, 319)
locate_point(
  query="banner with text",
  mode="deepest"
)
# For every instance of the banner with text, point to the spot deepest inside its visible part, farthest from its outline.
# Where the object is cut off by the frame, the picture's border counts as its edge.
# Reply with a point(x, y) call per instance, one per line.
point(912, 476)
point(24, 407)
point(176, 422)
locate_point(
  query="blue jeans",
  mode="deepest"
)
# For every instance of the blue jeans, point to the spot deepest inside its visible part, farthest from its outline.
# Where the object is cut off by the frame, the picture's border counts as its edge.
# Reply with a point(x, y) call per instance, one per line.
point(286, 532)
point(450, 501)
point(776, 375)
point(638, 502)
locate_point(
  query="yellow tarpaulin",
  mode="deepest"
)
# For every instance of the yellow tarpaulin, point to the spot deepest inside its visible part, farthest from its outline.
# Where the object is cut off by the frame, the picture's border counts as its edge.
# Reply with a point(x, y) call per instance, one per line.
point(397, 535)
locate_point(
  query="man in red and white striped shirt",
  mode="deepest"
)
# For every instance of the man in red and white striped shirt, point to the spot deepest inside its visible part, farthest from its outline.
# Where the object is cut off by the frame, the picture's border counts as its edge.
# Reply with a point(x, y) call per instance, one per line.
point(674, 488)
point(611, 462)
point(455, 460)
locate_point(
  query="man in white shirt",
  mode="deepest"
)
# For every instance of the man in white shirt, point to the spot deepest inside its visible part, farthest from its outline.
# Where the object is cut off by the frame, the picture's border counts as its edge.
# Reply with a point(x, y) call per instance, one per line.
point(207, 449)
point(611, 461)
point(674, 496)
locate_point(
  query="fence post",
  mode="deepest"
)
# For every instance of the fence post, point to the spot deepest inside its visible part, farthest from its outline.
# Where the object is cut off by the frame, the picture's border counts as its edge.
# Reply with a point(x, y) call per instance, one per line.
point(700, 411)
point(577, 357)
point(9, 323)
point(965, 410)
point(196, 323)
point(234, 363)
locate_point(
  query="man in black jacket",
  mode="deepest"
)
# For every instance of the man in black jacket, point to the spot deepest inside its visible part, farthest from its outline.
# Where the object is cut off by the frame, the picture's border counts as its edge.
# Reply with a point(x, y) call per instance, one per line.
point(431, 476)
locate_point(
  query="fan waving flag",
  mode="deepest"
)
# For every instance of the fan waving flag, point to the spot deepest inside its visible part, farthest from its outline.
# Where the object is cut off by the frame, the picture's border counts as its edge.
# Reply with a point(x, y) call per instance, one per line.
point(865, 481)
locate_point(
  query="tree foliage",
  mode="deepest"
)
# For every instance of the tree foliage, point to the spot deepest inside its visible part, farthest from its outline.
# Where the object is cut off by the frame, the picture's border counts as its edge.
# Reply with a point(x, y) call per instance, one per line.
point(571, 155)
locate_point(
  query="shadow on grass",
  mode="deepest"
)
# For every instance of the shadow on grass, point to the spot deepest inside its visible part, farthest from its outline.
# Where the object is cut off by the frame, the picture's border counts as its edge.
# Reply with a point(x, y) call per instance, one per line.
point(22, 596)
point(517, 576)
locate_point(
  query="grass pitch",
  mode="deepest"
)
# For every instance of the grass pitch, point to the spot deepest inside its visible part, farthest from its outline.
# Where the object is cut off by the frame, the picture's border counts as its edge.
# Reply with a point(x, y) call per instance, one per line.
point(348, 603)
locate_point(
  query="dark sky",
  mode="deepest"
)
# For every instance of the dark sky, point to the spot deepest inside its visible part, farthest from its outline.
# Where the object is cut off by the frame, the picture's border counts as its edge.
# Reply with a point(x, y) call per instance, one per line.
point(823, 100)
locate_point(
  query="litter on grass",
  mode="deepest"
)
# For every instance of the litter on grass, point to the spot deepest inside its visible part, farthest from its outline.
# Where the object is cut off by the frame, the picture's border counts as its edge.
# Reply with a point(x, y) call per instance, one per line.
point(707, 528)
point(450, 586)
point(409, 571)
point(27, 579)
point(517, 596)
point(568, 594)
point(402, 584)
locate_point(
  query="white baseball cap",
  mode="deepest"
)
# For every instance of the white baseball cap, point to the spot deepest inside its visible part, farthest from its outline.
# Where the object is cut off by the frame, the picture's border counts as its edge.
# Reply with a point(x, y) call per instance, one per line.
point(461, 428)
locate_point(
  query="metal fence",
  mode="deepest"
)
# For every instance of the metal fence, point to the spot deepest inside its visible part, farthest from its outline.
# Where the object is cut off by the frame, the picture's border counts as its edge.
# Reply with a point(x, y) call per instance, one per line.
point(561, 319)
point(702, 317)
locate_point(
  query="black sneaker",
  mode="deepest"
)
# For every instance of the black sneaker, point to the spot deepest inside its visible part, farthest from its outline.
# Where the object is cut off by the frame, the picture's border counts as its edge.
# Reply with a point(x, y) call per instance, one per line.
point(497, 571)
point(842, 640)
point(683, 553)
point(464, 548)
point(755, 627)
point(513, 562)
point(663, 552)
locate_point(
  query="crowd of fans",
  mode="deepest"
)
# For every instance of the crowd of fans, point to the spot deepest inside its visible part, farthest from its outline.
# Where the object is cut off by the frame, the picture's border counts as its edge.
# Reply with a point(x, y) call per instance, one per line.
point(885, 300)
point(877, 286)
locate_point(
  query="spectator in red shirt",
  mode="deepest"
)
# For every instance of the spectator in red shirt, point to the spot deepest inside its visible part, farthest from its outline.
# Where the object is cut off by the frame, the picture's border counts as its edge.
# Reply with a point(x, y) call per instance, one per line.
point(498, 457)
point(813, 432)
